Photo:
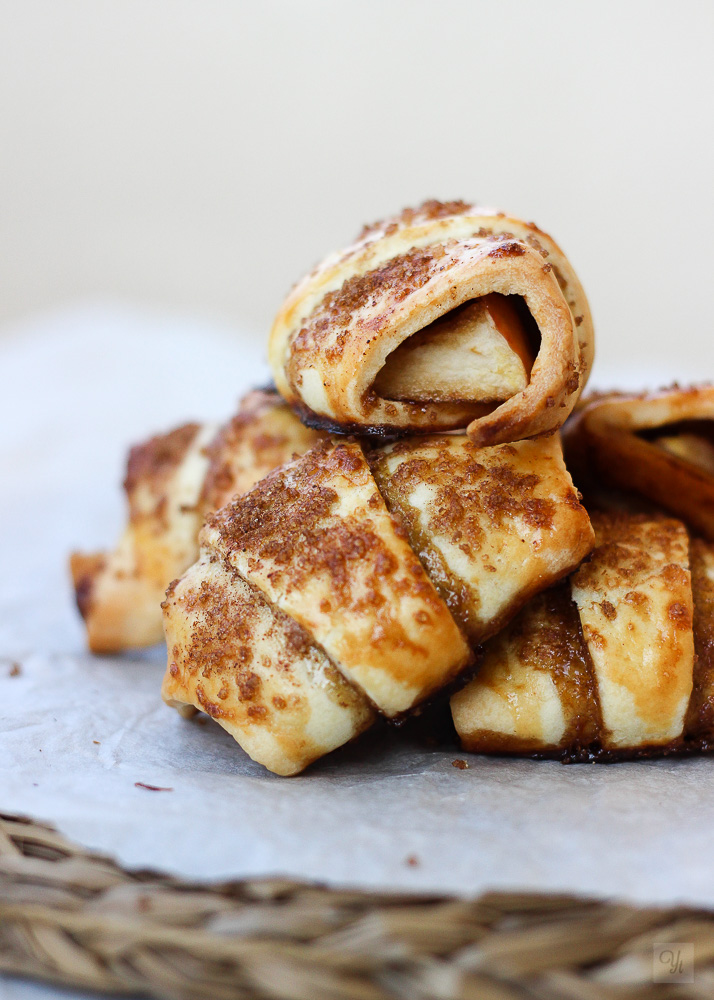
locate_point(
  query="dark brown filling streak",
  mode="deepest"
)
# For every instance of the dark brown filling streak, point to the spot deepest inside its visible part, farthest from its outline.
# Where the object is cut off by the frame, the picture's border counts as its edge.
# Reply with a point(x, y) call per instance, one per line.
point(698, 729)
point(375, 432)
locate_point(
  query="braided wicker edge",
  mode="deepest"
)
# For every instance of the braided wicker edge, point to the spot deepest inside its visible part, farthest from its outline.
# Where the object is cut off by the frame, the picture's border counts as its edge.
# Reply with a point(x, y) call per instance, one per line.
point(73, 917)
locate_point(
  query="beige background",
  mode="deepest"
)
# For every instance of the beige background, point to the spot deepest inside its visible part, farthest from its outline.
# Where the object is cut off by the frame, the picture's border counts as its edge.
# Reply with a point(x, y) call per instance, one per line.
point(198, 155)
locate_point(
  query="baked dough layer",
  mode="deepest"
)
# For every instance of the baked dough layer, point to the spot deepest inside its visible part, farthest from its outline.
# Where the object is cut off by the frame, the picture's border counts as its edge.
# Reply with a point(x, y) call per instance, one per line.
point(317, 539)
point(634, 598)
point(332, 543)
point(119, 593)
point(658, 446)
point(173, 480)
point(535, 688)
point(340, 325)
point(605, 665)
point(493, 526)
point(255, 671)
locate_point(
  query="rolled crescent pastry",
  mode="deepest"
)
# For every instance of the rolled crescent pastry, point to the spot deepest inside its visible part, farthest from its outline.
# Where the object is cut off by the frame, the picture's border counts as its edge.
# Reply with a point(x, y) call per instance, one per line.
point(172, 482)
point(387, 564)
point(254, 670)
point(446, 316)
point(615, 663)
point(658, 445)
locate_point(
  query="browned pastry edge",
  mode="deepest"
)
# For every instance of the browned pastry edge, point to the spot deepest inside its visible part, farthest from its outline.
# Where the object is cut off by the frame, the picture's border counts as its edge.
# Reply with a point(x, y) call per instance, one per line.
point(424, 243)
point(594, 754)
point(604, 446)
point(119, 591)
point(84, 569)
point(698, 728)
point(381, 432)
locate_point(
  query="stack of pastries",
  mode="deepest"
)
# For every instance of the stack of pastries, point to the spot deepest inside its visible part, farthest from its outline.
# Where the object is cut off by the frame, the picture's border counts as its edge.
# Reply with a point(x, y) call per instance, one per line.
point(394, 523)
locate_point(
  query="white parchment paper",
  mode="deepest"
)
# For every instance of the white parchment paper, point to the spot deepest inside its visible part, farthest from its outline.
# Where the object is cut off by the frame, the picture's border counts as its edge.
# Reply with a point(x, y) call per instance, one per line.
point(77, 732)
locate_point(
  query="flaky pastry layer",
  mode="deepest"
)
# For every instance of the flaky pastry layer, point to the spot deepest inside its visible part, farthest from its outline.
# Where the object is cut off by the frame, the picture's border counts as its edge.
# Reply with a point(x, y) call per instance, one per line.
point(658, 445)
point(333, 339)
point(174, 480)
point(604, 665)
point(255, 671)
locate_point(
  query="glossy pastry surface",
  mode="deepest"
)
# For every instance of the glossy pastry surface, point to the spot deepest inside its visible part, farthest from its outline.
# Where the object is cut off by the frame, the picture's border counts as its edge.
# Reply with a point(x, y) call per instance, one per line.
point(255, 671)
point(657, 445)
point(503, 338)
point(605, 665)
point(318, 540)
point(493, 525)
point(364, 550)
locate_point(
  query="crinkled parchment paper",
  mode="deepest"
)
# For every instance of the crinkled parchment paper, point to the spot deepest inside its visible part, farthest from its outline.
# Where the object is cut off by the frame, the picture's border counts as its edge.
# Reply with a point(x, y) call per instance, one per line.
point(77, 732)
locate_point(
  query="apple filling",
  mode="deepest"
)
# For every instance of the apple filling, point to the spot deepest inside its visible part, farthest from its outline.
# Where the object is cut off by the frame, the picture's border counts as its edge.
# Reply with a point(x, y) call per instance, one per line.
point(482, 351)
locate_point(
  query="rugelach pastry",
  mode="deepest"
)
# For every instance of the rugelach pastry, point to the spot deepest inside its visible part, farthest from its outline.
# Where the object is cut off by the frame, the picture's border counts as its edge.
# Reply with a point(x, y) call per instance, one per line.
point(445, 316)
point(657, 445)
point(358, 579)
point(615, 663)
point(172, 482)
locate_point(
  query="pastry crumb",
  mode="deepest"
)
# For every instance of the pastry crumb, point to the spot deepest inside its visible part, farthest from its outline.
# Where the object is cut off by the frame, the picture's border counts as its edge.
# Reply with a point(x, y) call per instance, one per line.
point(462, 765)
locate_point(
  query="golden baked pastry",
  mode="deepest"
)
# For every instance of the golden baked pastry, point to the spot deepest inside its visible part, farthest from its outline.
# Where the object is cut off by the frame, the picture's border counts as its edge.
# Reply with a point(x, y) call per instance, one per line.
point(172, 482)
point(252, 668)
point(657, 445)
point(385, 563)
point(492, 526)
point(615, 663)
point(446, 316)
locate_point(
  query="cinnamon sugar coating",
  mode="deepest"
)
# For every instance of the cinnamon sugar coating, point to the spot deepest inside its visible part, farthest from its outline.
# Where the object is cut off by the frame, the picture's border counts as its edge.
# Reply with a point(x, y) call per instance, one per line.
point(150, 467)
point(172, 481)
point(338, 327)
point(657, 446)
point(255, 671)
point(628, 624)
point(261, 436)
point(492, 525)
point(391, 563)
point(317, 539)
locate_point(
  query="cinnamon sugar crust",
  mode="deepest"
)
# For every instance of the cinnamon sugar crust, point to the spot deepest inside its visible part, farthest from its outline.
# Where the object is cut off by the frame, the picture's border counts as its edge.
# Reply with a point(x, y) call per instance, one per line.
point(261, 436)
point(635, 602)
point(317, 539)
point(255, 671)
point(172, 481)
point(340, 324)
point(492, 526)
point(631, 619)
point(150, 466)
